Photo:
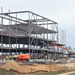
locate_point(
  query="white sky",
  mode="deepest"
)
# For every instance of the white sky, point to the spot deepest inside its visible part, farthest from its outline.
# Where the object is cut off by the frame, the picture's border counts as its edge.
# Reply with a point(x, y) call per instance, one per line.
point(61, 11)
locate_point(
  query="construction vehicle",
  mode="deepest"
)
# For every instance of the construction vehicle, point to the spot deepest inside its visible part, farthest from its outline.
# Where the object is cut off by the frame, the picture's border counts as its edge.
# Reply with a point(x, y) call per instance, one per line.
point(23, 57)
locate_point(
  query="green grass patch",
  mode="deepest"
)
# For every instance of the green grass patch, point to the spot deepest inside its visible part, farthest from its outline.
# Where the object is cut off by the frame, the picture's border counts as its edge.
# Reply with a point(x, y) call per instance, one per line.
point(5, 72)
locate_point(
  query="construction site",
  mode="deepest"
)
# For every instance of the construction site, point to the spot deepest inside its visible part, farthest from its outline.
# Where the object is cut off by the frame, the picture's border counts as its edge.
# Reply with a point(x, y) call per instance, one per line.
point(27, 32)
point(27, 37)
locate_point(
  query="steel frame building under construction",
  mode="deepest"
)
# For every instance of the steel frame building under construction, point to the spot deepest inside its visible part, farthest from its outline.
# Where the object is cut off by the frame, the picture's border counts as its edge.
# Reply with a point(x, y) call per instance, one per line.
point(28, 32)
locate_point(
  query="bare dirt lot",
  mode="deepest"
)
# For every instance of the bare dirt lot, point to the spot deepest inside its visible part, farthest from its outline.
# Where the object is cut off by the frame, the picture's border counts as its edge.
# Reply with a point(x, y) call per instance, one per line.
point(25, 69)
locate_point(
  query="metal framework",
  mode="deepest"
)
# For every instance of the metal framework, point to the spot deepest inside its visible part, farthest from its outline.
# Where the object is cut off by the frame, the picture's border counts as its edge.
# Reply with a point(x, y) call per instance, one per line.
point(28, 32)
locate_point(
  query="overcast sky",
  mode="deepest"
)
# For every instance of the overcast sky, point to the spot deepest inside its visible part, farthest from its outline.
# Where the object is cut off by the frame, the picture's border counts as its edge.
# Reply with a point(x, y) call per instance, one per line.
point(61, 11)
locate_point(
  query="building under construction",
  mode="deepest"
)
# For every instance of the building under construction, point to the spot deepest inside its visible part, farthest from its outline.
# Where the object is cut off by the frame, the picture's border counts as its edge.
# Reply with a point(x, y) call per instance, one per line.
point(28, 32)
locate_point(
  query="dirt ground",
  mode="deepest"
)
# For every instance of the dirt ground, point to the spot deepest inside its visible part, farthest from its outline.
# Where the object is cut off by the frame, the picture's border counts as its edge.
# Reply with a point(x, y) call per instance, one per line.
point(24, 69)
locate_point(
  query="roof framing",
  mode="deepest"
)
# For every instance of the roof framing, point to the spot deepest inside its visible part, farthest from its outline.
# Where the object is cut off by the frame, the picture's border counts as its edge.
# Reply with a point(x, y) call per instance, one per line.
point(8, 14)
